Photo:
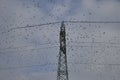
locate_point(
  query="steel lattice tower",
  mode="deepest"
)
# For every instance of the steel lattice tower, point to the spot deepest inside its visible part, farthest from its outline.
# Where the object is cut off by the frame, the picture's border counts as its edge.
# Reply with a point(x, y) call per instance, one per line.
point(62, 73)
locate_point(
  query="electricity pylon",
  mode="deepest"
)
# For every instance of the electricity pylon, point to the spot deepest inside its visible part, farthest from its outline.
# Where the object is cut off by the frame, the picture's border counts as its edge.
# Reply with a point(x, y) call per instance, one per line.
point(62, 72)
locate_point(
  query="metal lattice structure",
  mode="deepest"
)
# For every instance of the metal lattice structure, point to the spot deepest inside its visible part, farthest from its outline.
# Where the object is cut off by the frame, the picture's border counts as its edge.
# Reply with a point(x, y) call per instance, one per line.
point(62, 73)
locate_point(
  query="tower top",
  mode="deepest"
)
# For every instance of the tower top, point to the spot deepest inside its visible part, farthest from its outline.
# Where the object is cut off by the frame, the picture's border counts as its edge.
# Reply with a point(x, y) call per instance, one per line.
point(62, 72)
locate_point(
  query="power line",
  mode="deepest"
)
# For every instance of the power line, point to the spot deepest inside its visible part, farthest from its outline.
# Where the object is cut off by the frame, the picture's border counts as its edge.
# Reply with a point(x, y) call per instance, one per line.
point(109, 64)
point(92, 46)
point(95, 42)
point(25, 66)
point(67, 45)
point(82, 46)
point(32, 49)
point(67, 22)
point(29, 26)
point(27, 46)
point(92, 21)
point(36, 25)
point(29, 66)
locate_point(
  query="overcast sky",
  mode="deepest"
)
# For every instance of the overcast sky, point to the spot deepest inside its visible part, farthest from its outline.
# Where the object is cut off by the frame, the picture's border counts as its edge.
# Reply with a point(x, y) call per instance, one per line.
point(93, 50)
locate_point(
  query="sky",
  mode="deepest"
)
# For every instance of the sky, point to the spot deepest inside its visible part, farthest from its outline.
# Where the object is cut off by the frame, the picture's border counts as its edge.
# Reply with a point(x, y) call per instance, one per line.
point(93, 49)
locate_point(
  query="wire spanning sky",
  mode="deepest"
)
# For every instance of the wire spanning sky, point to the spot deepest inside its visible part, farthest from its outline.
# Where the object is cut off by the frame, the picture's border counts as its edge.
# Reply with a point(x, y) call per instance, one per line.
point(31, 53)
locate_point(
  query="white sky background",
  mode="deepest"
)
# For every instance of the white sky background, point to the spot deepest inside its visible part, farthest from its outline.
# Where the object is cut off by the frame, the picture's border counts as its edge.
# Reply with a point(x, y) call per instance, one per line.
point(32, 53)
